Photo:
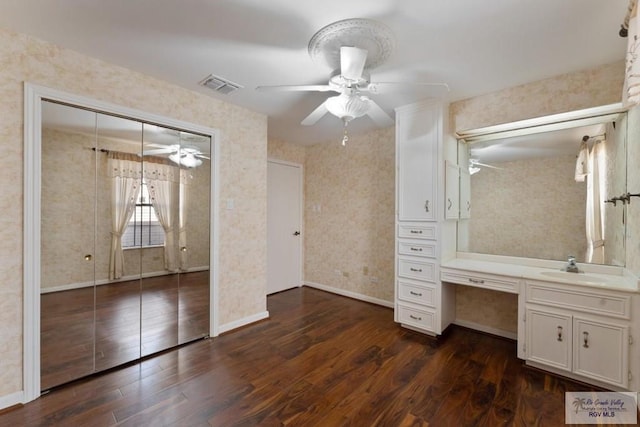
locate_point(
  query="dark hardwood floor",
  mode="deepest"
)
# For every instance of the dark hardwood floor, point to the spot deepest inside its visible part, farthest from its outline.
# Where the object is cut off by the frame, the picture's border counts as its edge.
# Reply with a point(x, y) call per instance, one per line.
point(89, 330)
point(320, 360)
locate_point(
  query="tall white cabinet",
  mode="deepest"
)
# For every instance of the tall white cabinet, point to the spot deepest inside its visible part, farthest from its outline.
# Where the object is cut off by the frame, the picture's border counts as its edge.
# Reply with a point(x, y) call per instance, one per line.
point(423, 236)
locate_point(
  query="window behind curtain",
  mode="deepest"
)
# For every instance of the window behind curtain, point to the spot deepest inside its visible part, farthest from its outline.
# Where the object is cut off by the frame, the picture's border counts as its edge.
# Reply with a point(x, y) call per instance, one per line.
point(144, 229)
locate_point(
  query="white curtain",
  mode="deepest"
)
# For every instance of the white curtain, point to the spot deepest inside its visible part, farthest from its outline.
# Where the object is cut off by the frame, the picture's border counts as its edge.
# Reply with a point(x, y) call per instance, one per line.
point(631, 91)
point(125, 186)
point(163, 184)
point(595, 203)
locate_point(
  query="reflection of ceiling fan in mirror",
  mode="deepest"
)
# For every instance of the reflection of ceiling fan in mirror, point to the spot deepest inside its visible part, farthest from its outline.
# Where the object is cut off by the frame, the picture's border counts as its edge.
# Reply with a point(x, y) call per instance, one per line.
point(475, 166)
point(184, 156)
point(351, 48)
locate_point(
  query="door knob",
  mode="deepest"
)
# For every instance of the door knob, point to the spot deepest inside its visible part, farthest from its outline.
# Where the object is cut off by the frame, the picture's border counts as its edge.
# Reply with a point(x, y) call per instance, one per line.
point(297, 233)
point(88, 257)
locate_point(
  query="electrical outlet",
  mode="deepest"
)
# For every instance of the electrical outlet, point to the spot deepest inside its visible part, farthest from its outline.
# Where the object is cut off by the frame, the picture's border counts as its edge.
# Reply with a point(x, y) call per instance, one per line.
point(373, 279)
point(338, 272)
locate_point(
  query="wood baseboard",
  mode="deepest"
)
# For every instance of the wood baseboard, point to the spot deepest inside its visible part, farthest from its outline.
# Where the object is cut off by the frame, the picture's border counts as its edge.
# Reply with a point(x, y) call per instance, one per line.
point(349, 294)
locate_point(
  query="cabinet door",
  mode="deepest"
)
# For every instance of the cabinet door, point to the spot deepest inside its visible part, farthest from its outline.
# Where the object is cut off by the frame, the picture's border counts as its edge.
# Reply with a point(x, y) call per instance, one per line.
point(452, 193)
point(465, 193)
point(417, 136)
point(601, 351)
point(549, 338)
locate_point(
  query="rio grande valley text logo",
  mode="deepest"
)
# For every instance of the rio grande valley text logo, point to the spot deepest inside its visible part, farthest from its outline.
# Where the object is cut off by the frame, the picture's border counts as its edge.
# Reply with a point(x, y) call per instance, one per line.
point(600, 408)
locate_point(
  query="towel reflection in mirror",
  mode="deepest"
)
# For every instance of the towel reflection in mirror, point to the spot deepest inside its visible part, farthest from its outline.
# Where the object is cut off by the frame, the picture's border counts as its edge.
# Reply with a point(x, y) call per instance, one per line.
point(591, 167)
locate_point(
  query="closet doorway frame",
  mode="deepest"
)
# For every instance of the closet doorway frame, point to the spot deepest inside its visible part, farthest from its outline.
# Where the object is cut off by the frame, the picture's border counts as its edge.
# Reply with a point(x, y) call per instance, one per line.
point(33, 96)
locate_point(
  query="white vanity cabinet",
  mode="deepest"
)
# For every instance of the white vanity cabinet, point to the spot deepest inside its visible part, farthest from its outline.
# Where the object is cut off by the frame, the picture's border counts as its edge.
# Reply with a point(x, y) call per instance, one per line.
point(418, 132)
point(585, 332)
point(421, 303)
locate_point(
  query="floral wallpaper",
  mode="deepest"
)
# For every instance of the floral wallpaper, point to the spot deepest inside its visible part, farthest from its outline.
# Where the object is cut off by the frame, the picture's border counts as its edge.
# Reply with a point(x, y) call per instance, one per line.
point(530, 208)
point(243, 168)
point(349, 214)
point(567, 92)
point(282, 150)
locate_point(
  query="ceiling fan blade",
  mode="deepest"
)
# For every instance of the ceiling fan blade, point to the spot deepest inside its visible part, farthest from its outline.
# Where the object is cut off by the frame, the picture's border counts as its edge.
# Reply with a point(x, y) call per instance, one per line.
point(378, 87)
point(315, 115)
point(378, 115)
point(158, 151)
point(296, 88)
point(477, 163)
point(352, 61)
point(202, 156)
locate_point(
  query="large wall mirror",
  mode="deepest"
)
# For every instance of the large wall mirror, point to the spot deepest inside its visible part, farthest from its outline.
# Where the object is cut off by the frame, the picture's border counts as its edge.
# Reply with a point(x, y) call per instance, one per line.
point(544, 191)
point(124, 248)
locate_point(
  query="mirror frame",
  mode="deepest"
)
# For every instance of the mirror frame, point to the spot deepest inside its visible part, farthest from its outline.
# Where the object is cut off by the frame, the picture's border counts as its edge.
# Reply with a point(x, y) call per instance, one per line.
point(33, 96)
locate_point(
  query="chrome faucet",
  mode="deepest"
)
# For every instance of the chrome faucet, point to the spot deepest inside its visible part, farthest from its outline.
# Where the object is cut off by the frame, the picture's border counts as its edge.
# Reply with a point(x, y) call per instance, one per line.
point(571, 266)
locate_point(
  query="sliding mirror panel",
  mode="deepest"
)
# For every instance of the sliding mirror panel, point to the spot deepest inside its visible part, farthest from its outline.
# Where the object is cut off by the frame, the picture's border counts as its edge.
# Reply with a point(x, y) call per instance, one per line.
point(118, 266)
point(68, 243)
point(194, 231)
point(158, 220)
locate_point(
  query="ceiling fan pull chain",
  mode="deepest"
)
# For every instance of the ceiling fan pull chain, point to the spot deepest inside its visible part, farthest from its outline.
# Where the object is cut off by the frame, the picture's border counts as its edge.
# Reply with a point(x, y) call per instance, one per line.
point(345, 137)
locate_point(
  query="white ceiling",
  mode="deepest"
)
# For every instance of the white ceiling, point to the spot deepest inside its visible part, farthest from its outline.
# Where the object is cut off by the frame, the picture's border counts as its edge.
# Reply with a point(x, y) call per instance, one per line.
point(474, 46)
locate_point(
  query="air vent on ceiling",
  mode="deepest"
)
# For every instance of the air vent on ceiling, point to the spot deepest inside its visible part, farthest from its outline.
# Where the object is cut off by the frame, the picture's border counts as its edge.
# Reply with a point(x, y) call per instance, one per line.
point(220, 85)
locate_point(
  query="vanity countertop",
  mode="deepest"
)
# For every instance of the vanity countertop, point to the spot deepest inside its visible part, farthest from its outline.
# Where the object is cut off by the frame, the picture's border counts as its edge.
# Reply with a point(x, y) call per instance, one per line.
point(599, 277)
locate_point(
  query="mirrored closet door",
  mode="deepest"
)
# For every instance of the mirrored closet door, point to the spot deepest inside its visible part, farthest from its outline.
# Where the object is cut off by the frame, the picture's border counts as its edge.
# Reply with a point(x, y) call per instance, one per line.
point(125, 209)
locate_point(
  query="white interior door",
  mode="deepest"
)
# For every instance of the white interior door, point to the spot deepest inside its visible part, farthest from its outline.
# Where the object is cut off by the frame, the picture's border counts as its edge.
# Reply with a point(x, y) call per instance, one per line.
point(284, 232)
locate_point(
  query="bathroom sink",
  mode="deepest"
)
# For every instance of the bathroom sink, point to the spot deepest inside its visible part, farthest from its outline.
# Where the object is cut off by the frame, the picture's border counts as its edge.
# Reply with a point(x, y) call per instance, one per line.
point(577, 277)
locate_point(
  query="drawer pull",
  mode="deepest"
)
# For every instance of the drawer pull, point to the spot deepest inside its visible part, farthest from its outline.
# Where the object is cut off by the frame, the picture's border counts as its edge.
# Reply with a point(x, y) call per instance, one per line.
point(560, 333)
point(479, 281)
point(450, 203)
point(418, 294)
point(416, 231)
point(415, 317)
point(417, 270)
point(426, 206)
point(585, 335)
point(416, 249)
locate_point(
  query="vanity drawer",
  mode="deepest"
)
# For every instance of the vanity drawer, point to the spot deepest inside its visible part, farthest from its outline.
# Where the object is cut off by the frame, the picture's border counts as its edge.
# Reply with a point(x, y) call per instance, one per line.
point(607, 304)
point(417, 231)
point(423, 319)
point(481, 280)
point(417, 248)
point(423, 294)
point(417, 269)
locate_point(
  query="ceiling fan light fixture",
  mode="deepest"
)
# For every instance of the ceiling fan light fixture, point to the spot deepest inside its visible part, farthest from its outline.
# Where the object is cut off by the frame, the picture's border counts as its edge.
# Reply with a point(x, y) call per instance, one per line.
point(185, 159)
point(347, 107)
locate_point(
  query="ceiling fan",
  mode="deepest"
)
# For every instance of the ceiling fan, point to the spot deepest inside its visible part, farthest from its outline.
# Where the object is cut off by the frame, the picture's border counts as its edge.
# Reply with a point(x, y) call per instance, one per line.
point(351, 83)
point(184, 156)
point(351, 47)
point(475, 166)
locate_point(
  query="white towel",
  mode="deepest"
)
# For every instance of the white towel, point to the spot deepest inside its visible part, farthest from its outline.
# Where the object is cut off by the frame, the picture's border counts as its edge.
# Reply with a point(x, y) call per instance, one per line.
point(582, 163)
